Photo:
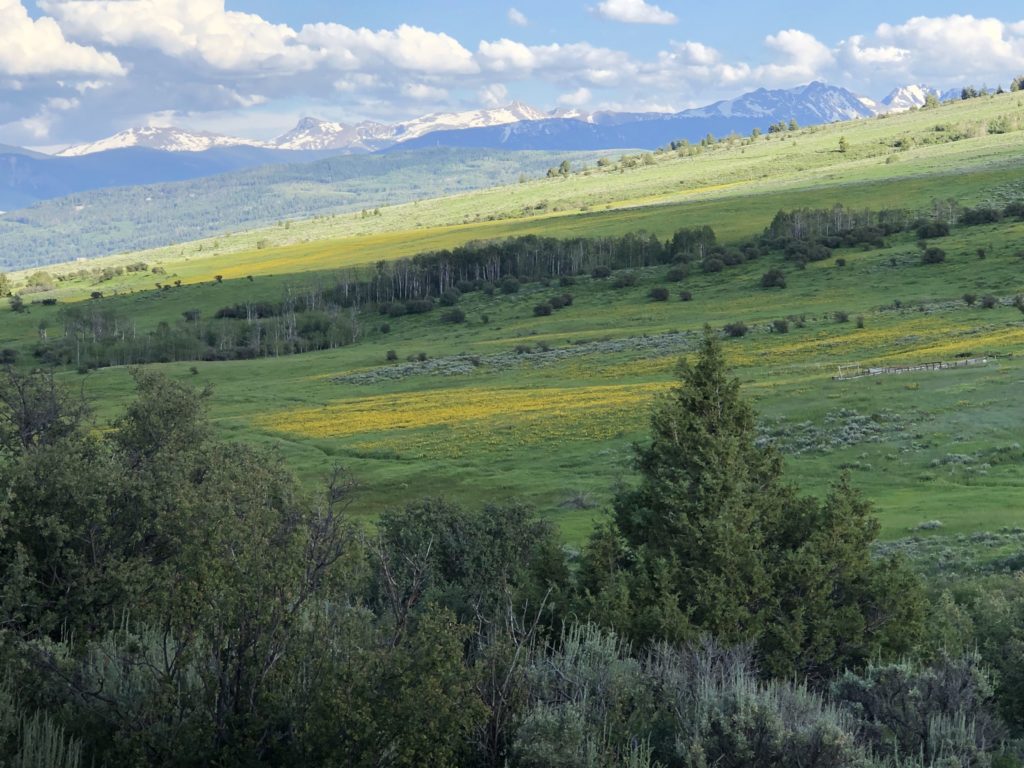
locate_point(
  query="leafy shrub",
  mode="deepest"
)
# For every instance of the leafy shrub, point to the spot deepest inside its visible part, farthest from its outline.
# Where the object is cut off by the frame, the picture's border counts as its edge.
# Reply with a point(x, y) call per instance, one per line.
point(542, 310)
point(840, 262)
point(969, 299)
point(988, 301)
point(736, 330)
point(773, 278)
point(454, 316)
point(600, 272)
point(676, 274)
point(712, 265)
point(933, 255)
point(566, 280)
point(841, 317)
point(926, 230)
point(510, 285)
point(860, 321)
point(419, 306)
point(391, 356)
point(385, 328)
point(972, 217)
point(685, 296)
point(780, 326)
point(396, 310)
point(658, 294)
point(450, 297)
point(624, 280)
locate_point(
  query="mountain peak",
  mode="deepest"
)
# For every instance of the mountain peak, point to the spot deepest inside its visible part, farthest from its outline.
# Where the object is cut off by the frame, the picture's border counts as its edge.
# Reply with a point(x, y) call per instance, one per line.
point(163, 138)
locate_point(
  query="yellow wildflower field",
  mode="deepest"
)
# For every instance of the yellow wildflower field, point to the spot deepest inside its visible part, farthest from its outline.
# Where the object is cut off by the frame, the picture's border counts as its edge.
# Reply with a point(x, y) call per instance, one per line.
point(448, 422)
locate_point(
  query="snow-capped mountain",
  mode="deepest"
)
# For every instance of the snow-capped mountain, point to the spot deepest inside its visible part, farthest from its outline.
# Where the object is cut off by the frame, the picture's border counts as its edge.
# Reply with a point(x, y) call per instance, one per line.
point(907, 97)
point(808, 104)
point(520, 124)
point(163, 139)
point(516, 112)
point(314, 134)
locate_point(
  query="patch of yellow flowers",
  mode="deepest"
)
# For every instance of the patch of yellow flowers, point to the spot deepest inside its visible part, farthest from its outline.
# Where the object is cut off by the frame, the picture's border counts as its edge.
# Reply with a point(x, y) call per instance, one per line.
point(451, 421)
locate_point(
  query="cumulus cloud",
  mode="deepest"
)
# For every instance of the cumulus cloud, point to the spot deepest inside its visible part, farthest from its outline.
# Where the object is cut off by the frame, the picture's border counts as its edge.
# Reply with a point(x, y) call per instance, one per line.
point(634, 12)
point(494, 95)
point(226, 40)
point(517, 17)
point(406, 48)
point(963, 44)
point(38, 47)
point(804, 57)
point(578, 98)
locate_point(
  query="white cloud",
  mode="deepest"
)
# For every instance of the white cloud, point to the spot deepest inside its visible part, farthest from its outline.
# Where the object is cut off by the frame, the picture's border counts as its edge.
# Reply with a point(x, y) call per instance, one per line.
point(407, 48)
point(634, 12)
point(944, 46)
point(494, 95)
point(804, 58)
point(226, 40)
point(38, 47)
point(517, 17)
point(421, 92)
point(577, 98)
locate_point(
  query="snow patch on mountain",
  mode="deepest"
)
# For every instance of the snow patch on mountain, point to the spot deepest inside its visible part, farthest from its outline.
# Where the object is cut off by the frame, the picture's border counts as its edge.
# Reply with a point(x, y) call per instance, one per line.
point(163, 139)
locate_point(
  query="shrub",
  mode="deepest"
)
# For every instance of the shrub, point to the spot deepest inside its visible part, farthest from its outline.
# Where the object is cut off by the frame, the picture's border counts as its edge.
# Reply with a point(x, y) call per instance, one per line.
point(773, 278)
point(927, 230)
point(989, 301)
point(658, 294)
point(969, 299)
point(509, 285)
point(450, 297)
point(600, 272)
point(396, 310)
point(542, 310)
point(860, 321)
point(465, 286)
point(841, 317)
point(780, 326)
point(391, 356)
point(840, 262)
point(933, 256)
point(624, 280)
point(736, 330)
point(566, 280)
point(685, 296)
point(676, 274)
point(712, 265)
point(385, 328)
point(418, 306)
point(972, 217)
point(454, 316)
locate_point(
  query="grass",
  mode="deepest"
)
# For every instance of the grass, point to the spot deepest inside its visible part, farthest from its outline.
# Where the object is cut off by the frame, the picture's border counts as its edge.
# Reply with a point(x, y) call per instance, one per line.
point(481, 423)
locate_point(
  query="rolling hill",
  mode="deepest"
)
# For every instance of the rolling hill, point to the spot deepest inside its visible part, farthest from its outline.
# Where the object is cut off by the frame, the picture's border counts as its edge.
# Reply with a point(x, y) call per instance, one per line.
point(517, 403)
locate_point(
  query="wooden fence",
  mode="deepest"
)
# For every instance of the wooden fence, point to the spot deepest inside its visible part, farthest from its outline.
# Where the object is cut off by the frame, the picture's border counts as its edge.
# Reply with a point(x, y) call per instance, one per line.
point(848, 372)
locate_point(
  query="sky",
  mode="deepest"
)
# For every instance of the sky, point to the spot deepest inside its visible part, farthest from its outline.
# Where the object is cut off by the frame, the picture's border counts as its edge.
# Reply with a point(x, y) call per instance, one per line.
point(78, 70)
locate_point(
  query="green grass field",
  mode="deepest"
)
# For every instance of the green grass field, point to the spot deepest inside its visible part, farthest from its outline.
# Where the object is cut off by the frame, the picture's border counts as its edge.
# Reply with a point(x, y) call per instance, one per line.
point(555, 427)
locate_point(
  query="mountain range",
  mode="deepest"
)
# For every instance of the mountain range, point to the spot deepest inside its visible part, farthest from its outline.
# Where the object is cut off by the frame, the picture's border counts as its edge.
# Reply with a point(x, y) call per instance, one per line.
point(151, 155)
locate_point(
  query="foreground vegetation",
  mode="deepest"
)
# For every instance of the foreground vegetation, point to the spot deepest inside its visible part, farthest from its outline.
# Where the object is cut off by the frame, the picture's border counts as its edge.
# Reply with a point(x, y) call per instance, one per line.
point(141, 624)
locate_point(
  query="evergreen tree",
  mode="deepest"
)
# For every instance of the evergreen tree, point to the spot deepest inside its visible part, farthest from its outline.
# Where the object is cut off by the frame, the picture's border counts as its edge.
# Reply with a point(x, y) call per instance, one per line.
point(712, 539)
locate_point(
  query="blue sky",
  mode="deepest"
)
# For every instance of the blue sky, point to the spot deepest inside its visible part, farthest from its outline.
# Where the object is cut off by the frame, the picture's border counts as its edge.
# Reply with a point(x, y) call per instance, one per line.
point(76, 70)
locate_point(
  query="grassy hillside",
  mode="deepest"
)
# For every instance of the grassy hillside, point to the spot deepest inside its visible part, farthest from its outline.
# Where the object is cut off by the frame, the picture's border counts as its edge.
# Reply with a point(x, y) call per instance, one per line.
point(545, 408)
point(119, 218)
point(735, 186)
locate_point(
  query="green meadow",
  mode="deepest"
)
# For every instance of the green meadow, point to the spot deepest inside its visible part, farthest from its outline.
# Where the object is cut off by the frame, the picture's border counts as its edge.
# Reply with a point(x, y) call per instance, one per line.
point(546, 409)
